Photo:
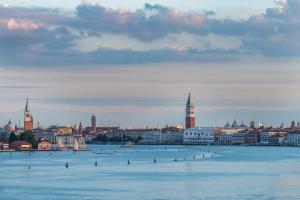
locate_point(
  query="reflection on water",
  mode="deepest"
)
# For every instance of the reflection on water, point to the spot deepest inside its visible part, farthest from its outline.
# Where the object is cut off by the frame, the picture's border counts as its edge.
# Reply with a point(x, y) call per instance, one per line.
point(179, 172)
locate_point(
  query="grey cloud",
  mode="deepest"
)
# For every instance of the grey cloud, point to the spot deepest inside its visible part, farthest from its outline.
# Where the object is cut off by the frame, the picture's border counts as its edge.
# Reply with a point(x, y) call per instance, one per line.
point(96, 18)
point(48, 42)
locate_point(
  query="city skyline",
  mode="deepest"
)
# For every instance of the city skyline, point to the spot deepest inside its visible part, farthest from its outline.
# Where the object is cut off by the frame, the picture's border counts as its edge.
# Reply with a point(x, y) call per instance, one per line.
point(189, 122)
point(134, 63)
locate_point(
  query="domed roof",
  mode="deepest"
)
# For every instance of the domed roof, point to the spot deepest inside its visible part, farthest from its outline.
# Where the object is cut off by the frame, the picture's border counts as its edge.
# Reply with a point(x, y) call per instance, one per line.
point(10, 126)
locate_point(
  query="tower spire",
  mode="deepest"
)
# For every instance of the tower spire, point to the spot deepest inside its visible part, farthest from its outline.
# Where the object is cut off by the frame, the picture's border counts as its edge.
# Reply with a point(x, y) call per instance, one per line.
point(190, 100)
point(28, 119)
point(27, 106)
point(190, 113)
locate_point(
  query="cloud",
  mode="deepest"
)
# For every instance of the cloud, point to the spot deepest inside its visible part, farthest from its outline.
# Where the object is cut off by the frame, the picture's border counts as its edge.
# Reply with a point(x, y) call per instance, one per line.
point(98, 19)
point(46, 36)
point(21, 24)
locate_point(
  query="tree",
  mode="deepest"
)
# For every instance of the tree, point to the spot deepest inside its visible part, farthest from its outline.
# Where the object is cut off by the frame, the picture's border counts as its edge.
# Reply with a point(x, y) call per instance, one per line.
point(3, 138)
point(28, 136)
point(12, 137)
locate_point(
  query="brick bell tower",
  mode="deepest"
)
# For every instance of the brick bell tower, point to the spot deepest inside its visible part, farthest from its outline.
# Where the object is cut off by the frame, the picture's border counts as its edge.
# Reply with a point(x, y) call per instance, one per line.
point(190, 113)
point(28, 120)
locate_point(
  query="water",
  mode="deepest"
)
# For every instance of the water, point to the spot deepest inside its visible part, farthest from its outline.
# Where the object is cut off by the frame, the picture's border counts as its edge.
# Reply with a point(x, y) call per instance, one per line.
point(232, 173)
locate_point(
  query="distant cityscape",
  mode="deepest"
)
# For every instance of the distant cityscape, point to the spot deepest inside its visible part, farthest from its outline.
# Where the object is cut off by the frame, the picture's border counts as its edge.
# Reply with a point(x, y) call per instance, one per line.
point(28, 137)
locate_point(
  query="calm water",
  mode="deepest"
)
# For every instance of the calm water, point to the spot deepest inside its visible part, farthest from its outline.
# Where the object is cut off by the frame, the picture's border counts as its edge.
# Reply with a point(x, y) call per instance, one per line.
point(233, 173)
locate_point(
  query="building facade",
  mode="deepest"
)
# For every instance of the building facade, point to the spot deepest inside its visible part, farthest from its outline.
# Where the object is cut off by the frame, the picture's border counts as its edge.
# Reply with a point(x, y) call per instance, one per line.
point(238, 138)
point(252, 137)
point(21, 146)
point(198, 135)
point(293, 138)
point(70, 142)
point(225, 139)
point(162, 138)
point(44, 146)
point(190, 113)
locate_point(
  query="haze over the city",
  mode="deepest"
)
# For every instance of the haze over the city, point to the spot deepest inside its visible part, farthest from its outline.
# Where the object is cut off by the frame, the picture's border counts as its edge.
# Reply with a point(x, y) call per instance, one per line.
point(134, 64)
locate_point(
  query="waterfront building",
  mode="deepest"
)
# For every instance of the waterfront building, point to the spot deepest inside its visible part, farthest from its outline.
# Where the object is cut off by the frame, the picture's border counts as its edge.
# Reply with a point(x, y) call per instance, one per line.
point(21, 146)
point(190, 113)
point(28, 119)
point(238, 138)
point(198, 135)
point(4, 146)
point(44, 146)
point(70, 142)
point(162, 138)
point(277, 139)
point(252, 137)
point(293, 138)
point(134, 134)
point(272, 138)
point(225, 139)
point(265, 137)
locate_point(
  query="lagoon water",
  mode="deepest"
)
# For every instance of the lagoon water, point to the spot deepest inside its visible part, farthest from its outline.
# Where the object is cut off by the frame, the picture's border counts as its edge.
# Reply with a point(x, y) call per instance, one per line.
point(233, 173)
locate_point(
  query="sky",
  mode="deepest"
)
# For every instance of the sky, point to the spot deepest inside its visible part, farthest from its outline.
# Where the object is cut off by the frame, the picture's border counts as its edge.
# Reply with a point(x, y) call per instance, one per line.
point(132, 63)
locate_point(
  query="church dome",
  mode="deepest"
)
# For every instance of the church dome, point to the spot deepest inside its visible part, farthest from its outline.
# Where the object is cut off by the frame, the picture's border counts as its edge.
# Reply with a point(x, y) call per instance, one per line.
point(10, 126)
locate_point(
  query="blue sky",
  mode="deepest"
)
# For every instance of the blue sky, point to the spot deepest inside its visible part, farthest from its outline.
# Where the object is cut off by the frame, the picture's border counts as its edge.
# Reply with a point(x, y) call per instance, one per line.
point(134, 62)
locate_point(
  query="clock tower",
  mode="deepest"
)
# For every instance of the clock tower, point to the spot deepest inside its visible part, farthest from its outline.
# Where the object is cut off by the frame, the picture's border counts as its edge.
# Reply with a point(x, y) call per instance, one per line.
point(28, 120)
point(190, 113)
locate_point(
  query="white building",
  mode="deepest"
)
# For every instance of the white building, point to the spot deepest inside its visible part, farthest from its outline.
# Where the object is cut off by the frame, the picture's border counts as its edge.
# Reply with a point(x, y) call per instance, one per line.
point(162, 138)
point(70, 142)
point(225, 139)
point(198, 135)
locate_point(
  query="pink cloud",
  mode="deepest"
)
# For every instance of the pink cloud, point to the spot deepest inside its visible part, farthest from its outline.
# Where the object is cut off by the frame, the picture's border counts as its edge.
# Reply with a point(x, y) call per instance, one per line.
point(13, 24)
